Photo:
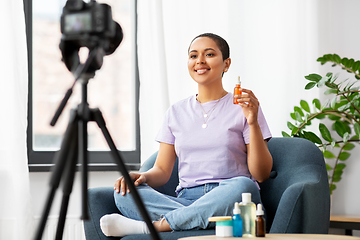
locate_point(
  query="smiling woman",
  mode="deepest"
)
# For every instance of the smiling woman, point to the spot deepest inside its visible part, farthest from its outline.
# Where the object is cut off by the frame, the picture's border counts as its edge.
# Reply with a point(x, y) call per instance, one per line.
point(221, 148)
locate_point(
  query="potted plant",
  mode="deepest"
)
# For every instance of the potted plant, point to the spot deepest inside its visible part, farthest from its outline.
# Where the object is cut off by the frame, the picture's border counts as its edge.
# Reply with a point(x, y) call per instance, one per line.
point(342, 109)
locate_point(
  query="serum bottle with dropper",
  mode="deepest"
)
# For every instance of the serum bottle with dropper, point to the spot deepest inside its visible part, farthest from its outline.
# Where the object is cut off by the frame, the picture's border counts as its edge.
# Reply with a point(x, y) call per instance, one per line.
point(260, 224)
point(237, 221)
point(237, 90)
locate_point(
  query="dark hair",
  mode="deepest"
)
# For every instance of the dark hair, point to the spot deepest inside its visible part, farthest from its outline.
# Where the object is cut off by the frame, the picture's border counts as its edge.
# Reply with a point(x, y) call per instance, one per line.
point(220, 42)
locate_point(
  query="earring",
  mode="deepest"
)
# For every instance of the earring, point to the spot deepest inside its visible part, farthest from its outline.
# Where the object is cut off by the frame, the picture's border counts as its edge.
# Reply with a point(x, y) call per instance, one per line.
point(225, 70)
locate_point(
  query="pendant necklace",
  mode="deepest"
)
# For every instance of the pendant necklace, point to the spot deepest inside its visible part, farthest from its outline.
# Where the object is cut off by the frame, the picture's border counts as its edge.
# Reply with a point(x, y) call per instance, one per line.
point(206, 115)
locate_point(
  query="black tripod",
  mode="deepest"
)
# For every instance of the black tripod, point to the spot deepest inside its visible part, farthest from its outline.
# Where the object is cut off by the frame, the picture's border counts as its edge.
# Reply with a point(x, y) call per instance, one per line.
point(74, 147)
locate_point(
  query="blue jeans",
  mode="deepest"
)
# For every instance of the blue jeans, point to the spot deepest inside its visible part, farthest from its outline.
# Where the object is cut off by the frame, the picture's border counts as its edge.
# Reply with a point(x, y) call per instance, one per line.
point(193, 206)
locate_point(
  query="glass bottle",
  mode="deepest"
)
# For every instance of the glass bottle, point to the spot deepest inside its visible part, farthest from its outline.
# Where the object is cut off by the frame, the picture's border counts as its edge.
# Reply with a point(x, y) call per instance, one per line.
point(260, 224)
point(237, 221)
point(237, 90)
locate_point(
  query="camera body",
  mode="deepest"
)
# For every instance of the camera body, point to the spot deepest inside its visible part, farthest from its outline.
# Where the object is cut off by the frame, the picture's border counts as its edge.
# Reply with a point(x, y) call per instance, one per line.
point(90, 18)
point(87, 25)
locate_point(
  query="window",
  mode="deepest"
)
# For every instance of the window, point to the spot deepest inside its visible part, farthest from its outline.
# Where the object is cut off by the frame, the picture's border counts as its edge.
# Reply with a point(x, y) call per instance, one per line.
point(114, 89)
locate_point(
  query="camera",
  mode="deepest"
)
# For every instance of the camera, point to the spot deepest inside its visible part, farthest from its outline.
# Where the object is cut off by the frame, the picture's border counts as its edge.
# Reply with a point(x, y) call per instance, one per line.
point(87, 25)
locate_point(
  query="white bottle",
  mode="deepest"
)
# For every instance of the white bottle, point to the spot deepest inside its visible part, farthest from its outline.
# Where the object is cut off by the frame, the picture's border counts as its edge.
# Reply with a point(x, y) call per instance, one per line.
point(248, 215)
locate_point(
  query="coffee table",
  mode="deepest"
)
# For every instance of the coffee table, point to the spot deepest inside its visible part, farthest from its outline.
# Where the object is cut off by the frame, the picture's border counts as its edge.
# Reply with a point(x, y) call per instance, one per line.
point(280, 237)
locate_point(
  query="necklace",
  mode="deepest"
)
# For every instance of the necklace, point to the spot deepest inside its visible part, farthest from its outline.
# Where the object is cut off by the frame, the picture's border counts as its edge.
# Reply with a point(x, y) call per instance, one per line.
point(206, 115)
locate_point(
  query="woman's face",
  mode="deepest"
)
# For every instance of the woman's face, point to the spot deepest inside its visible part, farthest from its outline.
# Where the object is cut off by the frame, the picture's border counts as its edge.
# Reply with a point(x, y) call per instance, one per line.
point(205, 62)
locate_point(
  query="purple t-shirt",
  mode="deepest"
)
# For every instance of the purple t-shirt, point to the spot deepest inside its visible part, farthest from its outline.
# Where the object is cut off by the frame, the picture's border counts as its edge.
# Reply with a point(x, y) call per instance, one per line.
point(214, 153)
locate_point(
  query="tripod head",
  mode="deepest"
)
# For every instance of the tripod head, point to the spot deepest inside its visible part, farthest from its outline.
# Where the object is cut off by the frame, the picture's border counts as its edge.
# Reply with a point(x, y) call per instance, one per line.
point(88, 25)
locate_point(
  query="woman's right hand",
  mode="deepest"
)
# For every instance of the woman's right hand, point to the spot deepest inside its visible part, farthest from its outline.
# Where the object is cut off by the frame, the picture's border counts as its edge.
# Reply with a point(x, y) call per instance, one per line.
point(121, 186)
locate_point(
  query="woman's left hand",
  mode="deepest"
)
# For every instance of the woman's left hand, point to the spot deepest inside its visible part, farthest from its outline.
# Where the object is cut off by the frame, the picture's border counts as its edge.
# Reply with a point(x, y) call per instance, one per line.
point(249, 104)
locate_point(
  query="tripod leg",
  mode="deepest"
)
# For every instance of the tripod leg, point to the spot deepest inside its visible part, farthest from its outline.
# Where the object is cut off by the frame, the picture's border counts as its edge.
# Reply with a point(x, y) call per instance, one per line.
point(97, 116)
point(69, 176)
point(60, 160)
point(83, 156)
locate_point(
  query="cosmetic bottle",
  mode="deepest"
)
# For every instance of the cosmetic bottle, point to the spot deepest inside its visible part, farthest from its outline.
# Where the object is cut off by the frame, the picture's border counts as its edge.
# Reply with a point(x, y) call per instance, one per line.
point(237, 90)
point(237, 221)
point(248, 214)
point(260, 224)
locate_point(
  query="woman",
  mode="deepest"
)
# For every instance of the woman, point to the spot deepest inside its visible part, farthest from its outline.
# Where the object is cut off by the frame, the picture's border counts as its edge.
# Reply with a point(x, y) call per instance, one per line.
point(221, 146)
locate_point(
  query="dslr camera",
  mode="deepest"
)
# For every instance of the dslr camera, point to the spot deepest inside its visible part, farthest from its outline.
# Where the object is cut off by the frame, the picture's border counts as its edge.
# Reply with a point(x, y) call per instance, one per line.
point(87, 25)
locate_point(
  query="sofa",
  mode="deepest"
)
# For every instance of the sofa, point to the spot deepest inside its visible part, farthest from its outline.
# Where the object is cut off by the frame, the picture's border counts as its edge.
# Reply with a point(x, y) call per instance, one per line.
point(296, 197)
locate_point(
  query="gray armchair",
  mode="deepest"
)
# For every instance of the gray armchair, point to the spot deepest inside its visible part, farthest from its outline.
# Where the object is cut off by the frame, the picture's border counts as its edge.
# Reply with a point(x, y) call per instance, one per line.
point(296, 196)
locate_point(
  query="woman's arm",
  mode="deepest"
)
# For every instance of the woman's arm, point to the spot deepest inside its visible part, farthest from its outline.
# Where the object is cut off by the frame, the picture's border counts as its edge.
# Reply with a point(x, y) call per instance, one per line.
point(160, 173)
point(157, 176)
point(259, 158)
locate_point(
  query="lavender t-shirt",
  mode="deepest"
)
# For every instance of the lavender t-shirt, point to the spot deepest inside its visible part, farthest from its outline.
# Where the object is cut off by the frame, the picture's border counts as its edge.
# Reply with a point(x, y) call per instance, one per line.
point(214, 153)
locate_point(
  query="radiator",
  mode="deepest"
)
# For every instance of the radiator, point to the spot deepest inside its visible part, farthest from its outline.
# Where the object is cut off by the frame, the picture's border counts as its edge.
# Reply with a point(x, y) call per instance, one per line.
point(73, 230)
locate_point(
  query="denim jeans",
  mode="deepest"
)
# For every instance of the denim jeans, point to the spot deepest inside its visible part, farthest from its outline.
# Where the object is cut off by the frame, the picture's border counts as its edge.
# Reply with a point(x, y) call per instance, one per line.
point(193, 206)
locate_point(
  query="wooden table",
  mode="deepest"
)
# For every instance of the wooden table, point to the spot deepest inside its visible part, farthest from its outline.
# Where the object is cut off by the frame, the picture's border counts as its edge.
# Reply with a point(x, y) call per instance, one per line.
point(280, 237)
point(346, 222)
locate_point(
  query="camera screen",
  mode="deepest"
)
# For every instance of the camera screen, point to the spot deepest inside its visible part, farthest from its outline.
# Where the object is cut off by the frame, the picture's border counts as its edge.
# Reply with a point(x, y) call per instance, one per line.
point(78, 22)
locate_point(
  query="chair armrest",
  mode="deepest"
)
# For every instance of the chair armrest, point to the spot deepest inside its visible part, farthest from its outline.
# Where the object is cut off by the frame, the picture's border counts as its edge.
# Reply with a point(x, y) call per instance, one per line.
point(304, 207)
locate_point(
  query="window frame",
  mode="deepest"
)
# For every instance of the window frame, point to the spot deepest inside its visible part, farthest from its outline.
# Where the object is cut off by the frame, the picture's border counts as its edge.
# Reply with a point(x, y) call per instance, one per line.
point(97, 160)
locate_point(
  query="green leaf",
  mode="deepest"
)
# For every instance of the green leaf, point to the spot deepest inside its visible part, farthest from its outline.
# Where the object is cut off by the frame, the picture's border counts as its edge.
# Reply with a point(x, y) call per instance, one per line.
point(305, 106)
point(290, 125)
point(298, 117)
point(336, 58)
point(332, 187)
point(334, 117)
point(355, 138)
point(323, 81)
point(344, 107)
point(344, 156)
point(357, 129)
point(328, 154)
point(310, 85)
point(312, 137)
point(339, 128)
point(333, 102)
point(348, 146)
point(340, 166)
point(346, 137)
point(297, 109)
point(328, 168)
point(344, 61)
point(325, 133)
point(338, 171)
point(316, 103)
point(292, 115)
point(294, 131)
point(284, 134)
point(336, 177)
point(356, 66)
point(313, 77)
point(330, 91)
point(321, 116)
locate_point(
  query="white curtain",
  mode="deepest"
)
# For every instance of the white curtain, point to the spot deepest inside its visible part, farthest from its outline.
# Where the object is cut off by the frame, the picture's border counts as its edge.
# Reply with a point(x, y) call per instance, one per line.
point(15, 206)
point(273, 45)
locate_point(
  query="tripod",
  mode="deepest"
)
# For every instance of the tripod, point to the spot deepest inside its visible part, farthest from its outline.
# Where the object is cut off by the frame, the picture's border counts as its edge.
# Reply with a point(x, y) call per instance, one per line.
point(74, 147)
